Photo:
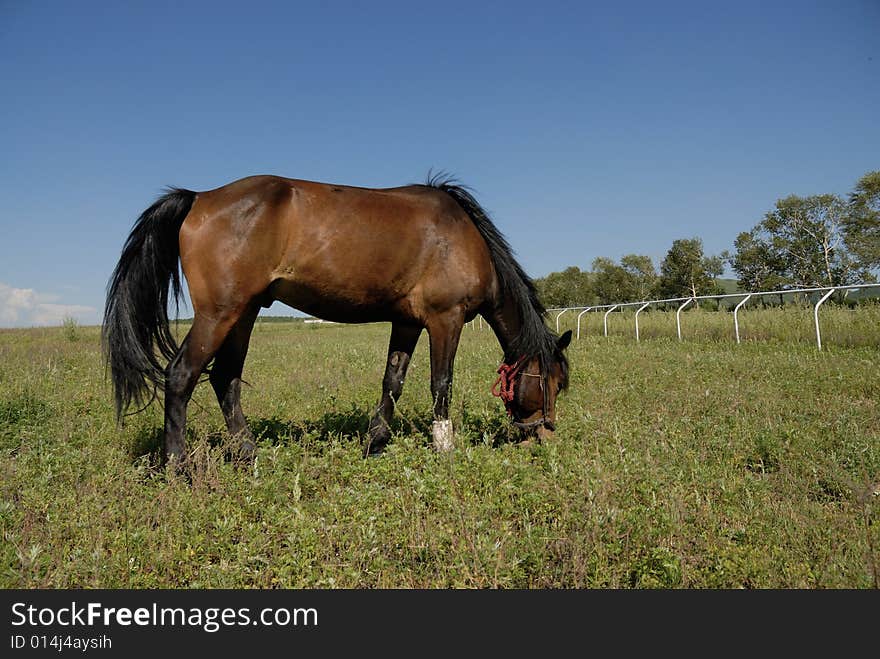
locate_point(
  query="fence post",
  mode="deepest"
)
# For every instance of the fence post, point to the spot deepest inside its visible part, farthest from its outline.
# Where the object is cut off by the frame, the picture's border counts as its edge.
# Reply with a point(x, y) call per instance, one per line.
point(557, 319)
point(816, 316)
point(637, 319)
point(678, 315)
point(736, 311)
point(579, 321)
point(606, 317)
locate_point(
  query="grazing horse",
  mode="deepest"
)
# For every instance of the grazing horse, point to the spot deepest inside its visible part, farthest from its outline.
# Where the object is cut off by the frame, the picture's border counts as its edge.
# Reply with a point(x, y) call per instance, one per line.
point(421, 256)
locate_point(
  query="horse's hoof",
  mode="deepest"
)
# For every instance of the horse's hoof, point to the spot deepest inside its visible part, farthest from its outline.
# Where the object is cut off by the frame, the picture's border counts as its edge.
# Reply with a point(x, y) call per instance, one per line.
point(174, 463)
point(245, 456)
point(178, 469)
point(374, 447)
point(247, 451)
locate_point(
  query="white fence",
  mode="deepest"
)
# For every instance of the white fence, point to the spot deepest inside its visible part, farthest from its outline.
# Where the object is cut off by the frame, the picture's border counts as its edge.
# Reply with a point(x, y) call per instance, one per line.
point(685, 301)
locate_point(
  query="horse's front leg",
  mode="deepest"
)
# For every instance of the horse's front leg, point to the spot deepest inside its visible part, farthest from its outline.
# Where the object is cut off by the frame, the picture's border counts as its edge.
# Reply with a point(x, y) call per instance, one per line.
point(445, 333)
point(400, 350)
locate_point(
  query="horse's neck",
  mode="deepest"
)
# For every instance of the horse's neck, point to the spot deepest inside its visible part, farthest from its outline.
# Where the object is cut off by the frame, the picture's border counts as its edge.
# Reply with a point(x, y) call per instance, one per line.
point(506, 321)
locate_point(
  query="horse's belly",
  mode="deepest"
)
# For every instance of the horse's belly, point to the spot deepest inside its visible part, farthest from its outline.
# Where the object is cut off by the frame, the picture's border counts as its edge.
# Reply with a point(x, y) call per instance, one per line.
point(343, 306)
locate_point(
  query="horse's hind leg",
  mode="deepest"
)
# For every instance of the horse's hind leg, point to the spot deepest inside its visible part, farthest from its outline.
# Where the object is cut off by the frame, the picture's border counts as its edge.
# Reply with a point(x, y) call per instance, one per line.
point(226, 379)
point(400, 350)
point(201, 343)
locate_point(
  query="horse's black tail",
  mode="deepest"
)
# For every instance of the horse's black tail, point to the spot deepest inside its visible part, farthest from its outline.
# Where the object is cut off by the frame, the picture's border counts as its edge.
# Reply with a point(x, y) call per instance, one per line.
point(136, 313)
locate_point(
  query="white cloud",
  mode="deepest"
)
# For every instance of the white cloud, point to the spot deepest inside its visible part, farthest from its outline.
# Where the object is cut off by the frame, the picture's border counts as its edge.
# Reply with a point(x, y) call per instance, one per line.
point(25, 307)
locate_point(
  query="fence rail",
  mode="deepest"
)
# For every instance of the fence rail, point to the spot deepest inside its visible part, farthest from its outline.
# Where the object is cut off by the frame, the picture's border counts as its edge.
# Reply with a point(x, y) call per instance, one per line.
point(826, 291)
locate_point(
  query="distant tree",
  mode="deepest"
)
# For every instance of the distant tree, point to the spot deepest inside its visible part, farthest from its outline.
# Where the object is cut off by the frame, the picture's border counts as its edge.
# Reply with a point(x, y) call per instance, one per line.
point(686, 271)
point(801, 243)
point(644, 275)
point(861, 224)
point(570, 288)
point(610, 281)
point(758, 265)
point(807, 234)
point(633, 279)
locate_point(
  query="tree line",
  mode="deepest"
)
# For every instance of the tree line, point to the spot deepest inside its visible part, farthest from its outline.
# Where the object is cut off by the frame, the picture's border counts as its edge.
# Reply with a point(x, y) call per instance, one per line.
point(802, 242)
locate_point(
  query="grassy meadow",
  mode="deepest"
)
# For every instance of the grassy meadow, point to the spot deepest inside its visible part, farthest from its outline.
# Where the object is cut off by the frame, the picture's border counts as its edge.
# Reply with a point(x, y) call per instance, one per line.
point(693, 464)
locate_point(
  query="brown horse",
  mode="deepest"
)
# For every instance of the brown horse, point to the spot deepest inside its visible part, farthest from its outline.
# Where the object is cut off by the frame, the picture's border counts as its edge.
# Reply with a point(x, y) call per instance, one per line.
point(421, 256)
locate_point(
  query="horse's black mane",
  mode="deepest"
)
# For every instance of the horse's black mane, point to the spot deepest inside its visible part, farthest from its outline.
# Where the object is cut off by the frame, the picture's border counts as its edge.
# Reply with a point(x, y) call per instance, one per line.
point(534, 337)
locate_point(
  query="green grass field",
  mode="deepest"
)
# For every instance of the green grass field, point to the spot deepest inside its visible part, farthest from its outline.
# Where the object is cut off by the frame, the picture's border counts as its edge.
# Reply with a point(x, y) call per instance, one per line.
point(700, 464)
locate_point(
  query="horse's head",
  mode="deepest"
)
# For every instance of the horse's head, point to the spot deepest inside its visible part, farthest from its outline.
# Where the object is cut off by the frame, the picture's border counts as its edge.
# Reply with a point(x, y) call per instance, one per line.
point(529, 394)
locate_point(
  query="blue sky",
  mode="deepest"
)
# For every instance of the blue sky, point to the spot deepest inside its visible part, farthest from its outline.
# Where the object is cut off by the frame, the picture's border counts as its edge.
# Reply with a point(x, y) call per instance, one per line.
point(586, 129)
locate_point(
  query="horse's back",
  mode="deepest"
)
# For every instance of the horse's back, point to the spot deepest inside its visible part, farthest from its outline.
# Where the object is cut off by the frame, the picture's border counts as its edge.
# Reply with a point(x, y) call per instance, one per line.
point(342, 252)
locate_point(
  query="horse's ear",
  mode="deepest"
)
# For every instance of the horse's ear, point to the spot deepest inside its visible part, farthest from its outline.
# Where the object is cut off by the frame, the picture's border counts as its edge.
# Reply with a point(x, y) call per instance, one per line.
point(563, 341)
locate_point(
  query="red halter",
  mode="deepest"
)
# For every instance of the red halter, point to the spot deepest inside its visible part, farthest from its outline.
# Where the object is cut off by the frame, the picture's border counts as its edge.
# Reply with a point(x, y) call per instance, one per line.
point(503, 389)
point(504, 385)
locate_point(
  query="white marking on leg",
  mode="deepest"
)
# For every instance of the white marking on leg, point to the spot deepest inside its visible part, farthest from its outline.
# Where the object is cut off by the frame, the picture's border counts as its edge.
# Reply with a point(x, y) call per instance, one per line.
point(442, 431)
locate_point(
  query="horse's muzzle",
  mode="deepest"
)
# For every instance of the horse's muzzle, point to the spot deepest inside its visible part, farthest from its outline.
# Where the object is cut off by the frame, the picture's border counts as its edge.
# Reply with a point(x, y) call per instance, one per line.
point(541, 426)
point(537, 423)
